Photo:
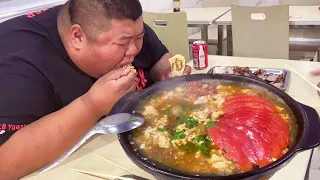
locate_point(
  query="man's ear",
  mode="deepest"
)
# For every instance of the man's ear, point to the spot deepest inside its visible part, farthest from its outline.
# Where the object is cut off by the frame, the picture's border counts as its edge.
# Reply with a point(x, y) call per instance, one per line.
point(77, 36)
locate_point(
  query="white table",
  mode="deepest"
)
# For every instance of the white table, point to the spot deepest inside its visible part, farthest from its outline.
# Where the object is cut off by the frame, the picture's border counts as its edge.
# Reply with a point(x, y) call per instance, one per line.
point(301, 17)
point(203, 17)
point(109, 147)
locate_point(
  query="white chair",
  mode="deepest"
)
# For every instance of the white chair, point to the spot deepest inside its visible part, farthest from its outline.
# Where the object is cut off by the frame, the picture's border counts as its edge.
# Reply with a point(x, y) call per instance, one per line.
point(172, 30)
point(260, 31)
point(161, 6)
point(316, 56)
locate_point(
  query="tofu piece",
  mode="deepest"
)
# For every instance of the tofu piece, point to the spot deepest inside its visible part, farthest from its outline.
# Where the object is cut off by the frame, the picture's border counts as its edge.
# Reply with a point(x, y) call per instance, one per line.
point(201, 100)
point(162, 121)
point(163, 141)
point(198, 153)
point(150, 111)
point(149, 132)
point(176, 110)
point(220, 165)
point(179, 89)
point(215, 115)
point(218, 99)
point(216, 158)
point(142, 146)
point(202, 114)
point(181, 127)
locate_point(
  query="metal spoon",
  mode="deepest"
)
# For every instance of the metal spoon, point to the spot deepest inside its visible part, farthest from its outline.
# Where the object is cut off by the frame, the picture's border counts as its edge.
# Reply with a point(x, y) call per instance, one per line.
point(114, 124)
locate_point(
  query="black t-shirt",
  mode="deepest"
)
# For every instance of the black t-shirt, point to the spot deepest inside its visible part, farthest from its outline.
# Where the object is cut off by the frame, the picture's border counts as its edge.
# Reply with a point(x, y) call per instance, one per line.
point(37, 76)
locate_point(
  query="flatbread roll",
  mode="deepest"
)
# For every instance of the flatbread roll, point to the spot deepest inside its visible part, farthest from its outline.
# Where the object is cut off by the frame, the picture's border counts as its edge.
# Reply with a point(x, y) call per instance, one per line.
point(178, 64)
point(129, 66)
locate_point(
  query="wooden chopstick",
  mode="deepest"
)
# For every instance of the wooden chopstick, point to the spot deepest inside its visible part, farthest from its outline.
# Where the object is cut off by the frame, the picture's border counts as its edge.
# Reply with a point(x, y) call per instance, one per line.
point(105, 159)
point(302, 77)
point(99, 175)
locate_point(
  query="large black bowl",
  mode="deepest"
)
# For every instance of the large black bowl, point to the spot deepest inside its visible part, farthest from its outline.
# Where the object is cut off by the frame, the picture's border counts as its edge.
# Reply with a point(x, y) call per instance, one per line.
point(307, 119)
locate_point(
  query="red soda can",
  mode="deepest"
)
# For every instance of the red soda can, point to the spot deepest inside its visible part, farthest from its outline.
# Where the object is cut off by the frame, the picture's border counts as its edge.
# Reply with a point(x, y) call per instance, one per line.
point(200, 55)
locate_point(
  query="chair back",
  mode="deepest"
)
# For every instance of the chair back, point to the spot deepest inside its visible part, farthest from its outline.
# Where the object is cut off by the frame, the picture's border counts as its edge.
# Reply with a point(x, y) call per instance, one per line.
point(172, 30)
point(261, 32)
point(316, 56)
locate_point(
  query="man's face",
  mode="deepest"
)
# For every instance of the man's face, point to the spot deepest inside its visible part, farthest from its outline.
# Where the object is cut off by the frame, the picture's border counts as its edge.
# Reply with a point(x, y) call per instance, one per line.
point(114, 48)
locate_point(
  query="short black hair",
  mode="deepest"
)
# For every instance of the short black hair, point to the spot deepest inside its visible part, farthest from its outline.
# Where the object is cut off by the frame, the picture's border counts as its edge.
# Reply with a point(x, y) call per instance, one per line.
point(95, 15)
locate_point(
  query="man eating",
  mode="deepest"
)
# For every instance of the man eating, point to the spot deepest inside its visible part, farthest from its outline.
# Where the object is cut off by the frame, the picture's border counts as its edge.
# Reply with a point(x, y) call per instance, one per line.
point(60, 72)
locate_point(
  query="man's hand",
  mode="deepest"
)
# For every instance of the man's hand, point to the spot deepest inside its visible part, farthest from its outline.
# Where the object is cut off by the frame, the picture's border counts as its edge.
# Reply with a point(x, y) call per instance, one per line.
point(162, 69)
point(109, 89)
point(43, 141)
point(316, 73)
point(166, 74)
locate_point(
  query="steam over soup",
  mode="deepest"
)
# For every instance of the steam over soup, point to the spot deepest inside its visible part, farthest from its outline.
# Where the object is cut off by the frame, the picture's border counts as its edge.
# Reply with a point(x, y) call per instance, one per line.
point(206, 128)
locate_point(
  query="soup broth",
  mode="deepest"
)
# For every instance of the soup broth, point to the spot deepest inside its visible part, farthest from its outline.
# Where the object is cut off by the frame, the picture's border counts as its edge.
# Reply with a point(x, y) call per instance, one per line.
point(181, 128)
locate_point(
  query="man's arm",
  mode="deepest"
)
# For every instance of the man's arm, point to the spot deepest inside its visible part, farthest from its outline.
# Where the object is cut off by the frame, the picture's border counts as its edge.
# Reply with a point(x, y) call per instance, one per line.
point(46, 138)
point(161, 68)
point(41, 141)
point(316, 72)
point(160, 55)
